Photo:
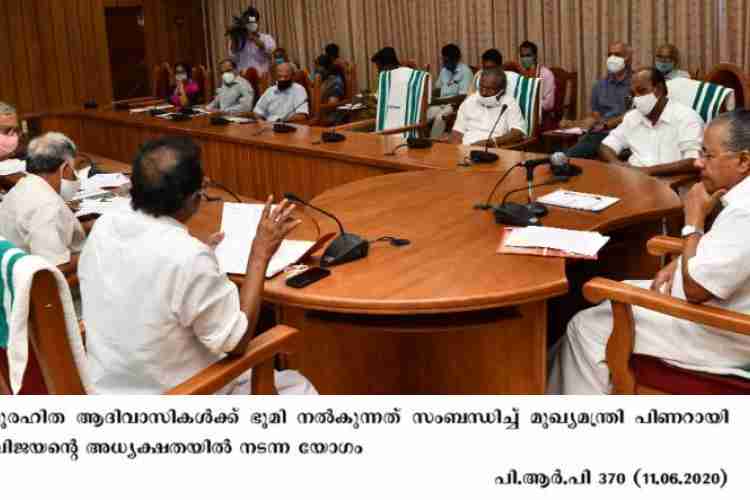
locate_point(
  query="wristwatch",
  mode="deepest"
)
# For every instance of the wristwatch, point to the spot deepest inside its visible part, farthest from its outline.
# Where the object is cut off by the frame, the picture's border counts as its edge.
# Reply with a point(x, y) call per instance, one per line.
point(688, 230)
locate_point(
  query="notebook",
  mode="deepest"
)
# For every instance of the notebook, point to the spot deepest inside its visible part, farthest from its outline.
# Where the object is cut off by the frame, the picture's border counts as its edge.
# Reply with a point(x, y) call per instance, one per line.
point(578, 201)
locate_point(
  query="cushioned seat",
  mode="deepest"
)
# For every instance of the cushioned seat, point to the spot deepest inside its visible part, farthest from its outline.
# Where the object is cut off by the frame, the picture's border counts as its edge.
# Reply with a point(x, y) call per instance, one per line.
point(655, 373)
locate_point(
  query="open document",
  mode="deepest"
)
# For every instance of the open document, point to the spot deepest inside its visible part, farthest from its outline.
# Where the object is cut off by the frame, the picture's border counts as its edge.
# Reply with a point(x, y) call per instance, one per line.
point(585, 243)
point(239, 222)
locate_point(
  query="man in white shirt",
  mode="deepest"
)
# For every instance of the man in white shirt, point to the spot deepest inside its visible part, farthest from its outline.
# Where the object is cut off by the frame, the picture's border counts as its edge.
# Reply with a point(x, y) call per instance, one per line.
point(235, 95)
point(668, 62)
point(479, 113)
point(258, 47)
point(452, 85)
point(664, 136)
point(34, 215)
point(713, 270)
point(286, 101)
point(158, 309)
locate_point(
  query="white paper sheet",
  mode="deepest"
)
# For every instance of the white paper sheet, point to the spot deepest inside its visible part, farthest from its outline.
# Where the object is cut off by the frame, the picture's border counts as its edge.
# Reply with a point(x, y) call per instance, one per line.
point(108, 205)
point(580, 242)
point(10, 167)
point(82, 194)
point(239, 223)
point(572, 131)
point(578, 201)
point(100, 181)
point(149, 108)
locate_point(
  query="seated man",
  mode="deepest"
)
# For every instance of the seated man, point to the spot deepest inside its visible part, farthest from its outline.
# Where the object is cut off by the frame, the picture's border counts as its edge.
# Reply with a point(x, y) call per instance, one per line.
point(453, 82)
point(12, 143)
point(332, 51)
point(713, 270)
point(608, 103)
point(529, 53)
point(286, 101)
point(491, 58)
point(668, 62)
point(34, 215)
point(235, 95)
point(480, 112)
point(158, 309)
point(663, 135)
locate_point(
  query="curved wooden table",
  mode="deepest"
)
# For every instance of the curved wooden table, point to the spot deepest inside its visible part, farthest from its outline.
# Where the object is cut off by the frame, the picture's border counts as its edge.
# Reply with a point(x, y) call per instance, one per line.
point(445, 314)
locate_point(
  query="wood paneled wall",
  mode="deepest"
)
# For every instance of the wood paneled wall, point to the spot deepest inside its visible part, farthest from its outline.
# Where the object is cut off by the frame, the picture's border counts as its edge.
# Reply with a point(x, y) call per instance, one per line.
point(168, 41)
point(53, 53)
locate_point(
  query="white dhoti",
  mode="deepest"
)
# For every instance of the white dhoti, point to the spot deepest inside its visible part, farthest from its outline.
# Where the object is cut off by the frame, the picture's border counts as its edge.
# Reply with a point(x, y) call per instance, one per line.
point(436, 115)
point(578, 361)
point(287, 382)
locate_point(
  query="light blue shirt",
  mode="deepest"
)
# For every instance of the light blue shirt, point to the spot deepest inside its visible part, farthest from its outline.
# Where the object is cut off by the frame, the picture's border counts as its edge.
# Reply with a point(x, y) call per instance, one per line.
point(275, 105)
point(235, 98)
point(454, 83)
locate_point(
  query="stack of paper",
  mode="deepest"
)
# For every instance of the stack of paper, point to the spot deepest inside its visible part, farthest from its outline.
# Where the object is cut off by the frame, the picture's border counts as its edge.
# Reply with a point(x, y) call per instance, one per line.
point(352, 107)
point(149, 108)
point(578, 242)
point(83, 194)
point(104, 206)
point(578, 201)
point(10, 167)
point(239, 223)
point(238, 119)
point(572, 131)
point(100, 181)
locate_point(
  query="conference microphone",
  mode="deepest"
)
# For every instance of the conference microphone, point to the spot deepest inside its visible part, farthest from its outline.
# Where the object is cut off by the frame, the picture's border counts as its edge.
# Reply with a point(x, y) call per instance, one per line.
point(485, 156)
point(412, 143)
point(486, 205)
point(346, 247)
point(559, 164)
point(332, 135)
point(516, 214)
point(281, 127)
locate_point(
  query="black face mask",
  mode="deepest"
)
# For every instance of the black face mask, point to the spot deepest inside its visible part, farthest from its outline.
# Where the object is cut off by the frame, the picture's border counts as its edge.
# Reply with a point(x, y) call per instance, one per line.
point(283, 84)
point(451, 66)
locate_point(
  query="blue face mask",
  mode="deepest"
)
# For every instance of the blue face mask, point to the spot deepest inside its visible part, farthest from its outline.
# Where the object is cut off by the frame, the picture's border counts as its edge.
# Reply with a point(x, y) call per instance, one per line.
point(280, 60)
point(664, 67)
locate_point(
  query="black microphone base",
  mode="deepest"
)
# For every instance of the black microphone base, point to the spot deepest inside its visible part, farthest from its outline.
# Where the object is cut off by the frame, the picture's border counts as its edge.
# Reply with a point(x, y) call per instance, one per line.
point(418, 143)
point(283, 128)
point(566, 170)
point(332, 137)
point(346, 247)
point(537, 209)
point(478, 156)
point(515, 214)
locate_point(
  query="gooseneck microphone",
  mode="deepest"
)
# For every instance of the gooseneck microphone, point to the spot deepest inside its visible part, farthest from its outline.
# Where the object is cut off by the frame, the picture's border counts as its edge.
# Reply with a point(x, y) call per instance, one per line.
point(485, 156)
point(346, 247)
point(281, 127)
point(516, 214)
point(486, 205)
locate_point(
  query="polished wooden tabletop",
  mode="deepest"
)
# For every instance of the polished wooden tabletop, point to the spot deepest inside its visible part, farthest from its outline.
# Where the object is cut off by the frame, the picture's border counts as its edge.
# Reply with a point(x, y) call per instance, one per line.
point(451, 264)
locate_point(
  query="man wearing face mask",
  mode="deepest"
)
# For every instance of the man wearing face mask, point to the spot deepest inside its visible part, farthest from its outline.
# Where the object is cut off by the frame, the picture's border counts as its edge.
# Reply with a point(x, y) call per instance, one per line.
point(12, 143)
point(259, 47)
point(34, 215)
point(668, 62)
point(609, 102)
point(235, 95)
point(531, 68)
point(453, 83)
point(479, 112)
point(665, 137)
point(286, 100)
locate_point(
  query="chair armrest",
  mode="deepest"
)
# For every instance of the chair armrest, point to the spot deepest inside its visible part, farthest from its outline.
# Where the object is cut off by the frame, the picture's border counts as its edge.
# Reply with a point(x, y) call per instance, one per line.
point(599, 289)
point(262, 348)
point(665, 245)
point(359, 126)
point(401, 130)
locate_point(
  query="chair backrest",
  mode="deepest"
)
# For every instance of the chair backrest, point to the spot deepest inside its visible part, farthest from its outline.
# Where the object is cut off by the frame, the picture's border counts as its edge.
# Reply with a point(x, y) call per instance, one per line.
point(412, 93)
point(732, 76)
point(161, 78)
point(566, 94)
point(349, 74)
point(512, 66)
point(302, 77)
point(528, 94)
point(251, 75)
point(201, 77)
point(706, 98)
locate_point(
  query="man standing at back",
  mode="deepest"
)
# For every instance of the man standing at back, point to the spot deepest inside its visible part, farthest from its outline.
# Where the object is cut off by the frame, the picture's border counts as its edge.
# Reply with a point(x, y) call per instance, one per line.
point(158, 309)
point(258, 47)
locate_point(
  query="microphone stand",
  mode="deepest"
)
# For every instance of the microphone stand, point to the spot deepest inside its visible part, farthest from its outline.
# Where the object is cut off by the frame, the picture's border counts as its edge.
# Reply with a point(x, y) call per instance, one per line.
point(485, 156)
point(516, 214)
point(281, 127)
point(534, 207)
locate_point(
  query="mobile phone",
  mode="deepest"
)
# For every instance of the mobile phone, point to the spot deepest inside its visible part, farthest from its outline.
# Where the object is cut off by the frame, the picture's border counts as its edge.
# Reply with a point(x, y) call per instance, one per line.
point(308, 277)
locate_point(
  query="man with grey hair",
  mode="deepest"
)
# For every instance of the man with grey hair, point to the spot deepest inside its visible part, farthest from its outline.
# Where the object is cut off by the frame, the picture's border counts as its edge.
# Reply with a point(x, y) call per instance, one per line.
point(34, 215)
point(713, 270)
point(285, 101)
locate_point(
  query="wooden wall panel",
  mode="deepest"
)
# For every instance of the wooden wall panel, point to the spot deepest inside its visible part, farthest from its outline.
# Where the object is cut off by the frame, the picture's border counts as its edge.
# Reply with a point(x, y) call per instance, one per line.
point(53, 53)
point(166, 41)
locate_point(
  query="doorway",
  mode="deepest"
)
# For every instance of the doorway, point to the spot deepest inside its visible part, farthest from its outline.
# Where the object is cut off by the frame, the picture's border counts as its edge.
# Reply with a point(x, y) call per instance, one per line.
point(127, 52)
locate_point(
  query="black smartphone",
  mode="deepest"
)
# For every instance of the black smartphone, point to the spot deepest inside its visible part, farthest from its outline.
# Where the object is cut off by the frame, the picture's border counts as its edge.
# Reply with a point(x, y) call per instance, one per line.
point(308, 277)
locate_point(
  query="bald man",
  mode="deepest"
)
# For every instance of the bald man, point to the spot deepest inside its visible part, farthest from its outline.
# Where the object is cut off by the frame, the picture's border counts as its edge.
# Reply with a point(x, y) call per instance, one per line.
point(285, 101)
point(608, 103)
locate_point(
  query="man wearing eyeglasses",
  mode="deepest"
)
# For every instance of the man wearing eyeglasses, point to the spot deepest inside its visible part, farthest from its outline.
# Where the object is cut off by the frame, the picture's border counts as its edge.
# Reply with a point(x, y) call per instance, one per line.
point(664, 136)
point(713, 270)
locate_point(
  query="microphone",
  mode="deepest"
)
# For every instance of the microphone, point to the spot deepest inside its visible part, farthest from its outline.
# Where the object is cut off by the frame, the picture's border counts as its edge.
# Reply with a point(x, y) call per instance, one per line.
point(332, 135)
point(486, 205)
point(412, 143)
point(516, 214)
point(561, 167)
point(485, 156)
point(281, 127)
point(346, 247)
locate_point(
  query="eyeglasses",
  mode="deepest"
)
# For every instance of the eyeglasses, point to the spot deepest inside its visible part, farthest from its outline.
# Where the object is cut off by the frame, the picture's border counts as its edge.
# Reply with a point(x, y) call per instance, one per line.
point(703, 155)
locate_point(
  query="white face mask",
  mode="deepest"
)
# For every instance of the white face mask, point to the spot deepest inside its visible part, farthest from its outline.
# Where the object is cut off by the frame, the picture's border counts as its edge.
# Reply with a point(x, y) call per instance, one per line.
point(492, 101)
point(180, 77)
point(252, 26)
point(228, 77)
point(68, 188)
point(645, 103)
point(615, 64)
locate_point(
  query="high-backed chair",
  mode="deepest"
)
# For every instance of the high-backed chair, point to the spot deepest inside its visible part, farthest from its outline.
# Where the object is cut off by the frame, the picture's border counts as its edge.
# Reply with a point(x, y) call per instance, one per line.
point(732, 76)
point(566, 95)
point(50, 345)
point(706, 98)
point(512, 66)
point(640, 374)
point(320, 111)
point(202, 78)
point(251, 75)
point(302, 77)
point(408, 116)
point(161, 78)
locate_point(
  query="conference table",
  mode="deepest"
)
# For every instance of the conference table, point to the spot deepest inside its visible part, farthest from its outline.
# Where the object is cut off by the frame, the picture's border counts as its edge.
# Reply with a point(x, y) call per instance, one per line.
point(445, 314)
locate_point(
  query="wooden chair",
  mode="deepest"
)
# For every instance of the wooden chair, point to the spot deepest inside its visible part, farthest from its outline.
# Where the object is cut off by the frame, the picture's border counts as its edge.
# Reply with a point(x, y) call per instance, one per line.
point(319, 110)
point(302, 77)
point(708, 99)
point(161, 78)
point(202, 78)
point(640, 374)
point(512, 66)
point(528, 94)
point(251, 75)
point(732, 76)
point(418, 128)
point(49, 343)
point(410, 63)
point(566, 95)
